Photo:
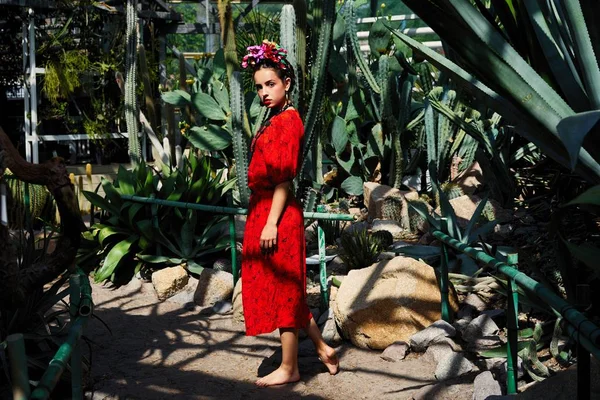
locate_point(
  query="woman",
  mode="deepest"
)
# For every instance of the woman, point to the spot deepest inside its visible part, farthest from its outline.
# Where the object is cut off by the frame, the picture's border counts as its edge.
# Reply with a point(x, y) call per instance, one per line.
point(274, 269)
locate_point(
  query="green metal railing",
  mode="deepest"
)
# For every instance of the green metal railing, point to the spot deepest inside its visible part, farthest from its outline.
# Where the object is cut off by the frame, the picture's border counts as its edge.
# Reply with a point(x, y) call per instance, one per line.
point(80, 309)
point(232, 212)
point(580, 328)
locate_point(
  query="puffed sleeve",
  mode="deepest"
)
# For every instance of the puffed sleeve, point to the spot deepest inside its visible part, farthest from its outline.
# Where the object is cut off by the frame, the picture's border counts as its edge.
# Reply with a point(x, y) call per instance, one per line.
point(282, 155)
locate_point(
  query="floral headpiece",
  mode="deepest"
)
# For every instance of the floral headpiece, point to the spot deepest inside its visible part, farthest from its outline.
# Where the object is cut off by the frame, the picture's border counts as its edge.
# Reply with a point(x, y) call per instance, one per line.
point(266, 51)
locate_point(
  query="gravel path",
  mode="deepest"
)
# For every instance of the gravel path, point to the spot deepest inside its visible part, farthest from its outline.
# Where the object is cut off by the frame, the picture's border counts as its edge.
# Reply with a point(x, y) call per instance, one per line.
point(160, 350)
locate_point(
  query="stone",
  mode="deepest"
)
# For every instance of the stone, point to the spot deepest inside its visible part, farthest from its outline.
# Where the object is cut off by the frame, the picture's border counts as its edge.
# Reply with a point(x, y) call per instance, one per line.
point(485, 385)
point(494, 314)
point(387, 225)
point(466, 312)
point(475, 301)
point(185, 297)
point(328, 314)
point(465, 206)
point(213, 286)
point(388, 302)
point(357, 227)
point(395, 351)
point(222, 307)
point(316, 313)
point(238, 307)
point(420, 340)
point(498, 367)
point(461, 324)
point(480, 326)
point(453, 365)
point(330, 333)
point(337, 266)
point(374, 194)
point(470, 179)
point(313, 296)
point(168, 281)
point(437, 351)
point(484, 343)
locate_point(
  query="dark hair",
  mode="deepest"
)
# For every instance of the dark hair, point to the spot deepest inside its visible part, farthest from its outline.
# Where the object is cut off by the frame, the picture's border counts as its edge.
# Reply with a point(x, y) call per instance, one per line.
point(281, 73)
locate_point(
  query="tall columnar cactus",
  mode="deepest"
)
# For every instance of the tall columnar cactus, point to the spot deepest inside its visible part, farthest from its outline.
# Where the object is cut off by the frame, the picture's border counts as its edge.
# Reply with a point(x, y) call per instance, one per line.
point(319, 77)
point(287, 39)
point(148, 95)
point(355, 46)
point(130, 83)
point(240, 146)
point(300, 10)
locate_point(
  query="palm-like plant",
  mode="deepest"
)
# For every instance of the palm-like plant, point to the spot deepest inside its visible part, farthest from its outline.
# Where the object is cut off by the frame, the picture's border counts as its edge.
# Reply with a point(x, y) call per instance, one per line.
point(533, 61)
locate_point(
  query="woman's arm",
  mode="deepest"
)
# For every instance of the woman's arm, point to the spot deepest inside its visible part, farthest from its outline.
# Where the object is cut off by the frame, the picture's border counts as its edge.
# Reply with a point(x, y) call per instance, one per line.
point(268, 237)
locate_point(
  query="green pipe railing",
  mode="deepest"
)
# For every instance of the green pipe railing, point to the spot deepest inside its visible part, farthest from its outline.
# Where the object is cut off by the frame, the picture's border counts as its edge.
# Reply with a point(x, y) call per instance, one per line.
point(80, 309)
point(580, 328)
point(232, 212)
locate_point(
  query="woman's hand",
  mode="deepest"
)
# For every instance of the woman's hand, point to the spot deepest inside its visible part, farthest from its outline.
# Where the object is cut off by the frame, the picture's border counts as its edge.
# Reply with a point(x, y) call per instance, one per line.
point(268, 238)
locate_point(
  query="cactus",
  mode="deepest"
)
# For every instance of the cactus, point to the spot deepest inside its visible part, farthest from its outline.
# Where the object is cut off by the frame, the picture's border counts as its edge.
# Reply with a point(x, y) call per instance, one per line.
point(41, 203)
point(240, 146)
point(149, 97)
point(130, 83)
point(384, 238)
point(391, 208)
point(425, 72)
point(417, 222)
point(300, 12)
point(451, 190)
point(310, 200)
point(319, 76)
point(350, 18)
point(287, 39)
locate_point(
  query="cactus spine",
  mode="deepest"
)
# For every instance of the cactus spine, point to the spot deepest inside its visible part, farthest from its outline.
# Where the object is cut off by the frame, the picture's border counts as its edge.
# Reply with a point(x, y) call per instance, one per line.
point(130, 83)
point(240, 146)
point(287, 38)
point(319, 76)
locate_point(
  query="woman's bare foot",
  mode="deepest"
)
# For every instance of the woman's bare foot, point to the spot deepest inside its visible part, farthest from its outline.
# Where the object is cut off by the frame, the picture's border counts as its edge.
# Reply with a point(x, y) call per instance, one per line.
point(330, 359)
point(279, 377)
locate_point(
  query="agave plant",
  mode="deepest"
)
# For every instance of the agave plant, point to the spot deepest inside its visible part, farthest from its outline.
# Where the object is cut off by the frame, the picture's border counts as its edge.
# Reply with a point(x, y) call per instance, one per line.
point(129, 230)
point(534, 62)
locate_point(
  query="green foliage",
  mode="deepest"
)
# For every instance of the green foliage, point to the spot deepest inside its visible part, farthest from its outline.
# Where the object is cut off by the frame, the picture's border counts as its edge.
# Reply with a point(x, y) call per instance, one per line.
point(359, 249)
point(131, 233)
point(524, 69)
point(62, 76)
point(385, 238)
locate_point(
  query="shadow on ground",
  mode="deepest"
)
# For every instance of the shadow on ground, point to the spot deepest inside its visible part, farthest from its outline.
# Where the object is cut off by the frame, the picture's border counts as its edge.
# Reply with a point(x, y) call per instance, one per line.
point(160, 350)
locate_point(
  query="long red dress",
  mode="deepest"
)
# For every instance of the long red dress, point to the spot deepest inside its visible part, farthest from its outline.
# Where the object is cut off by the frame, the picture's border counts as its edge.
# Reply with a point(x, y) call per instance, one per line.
point(274, 285)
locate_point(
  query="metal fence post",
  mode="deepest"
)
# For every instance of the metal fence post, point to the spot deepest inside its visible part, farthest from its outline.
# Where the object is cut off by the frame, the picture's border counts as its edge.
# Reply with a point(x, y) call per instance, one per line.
point(444, 276)
point(512, 313)
point(76, 356)
point(18, 366)
point(322, 263)
point(583, 355)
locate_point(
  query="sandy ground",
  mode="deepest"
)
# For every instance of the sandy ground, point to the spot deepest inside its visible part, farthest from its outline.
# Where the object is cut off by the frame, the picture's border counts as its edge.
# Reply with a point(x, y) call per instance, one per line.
point(162, 350)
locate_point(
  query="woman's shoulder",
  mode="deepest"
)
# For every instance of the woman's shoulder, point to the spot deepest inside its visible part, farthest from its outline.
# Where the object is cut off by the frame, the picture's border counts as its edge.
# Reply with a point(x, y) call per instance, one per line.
point(289, 116)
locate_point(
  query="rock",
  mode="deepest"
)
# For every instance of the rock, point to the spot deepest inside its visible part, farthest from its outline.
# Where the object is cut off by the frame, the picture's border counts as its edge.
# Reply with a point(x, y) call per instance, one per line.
point(168, 281)
point(461, 324)
point(374, 195)
point(186, 296)
point(420, 340)
point(503, 231)
point(387, 225)
point(357, 227)
point(494, 314)
point(465, 206)
point(388, 302)
point(453, 365)
point(470, 179)
point(330, 333)
point(313, 296)
point(316, 313)
point(485, 385)
point(222, 307)
point(325, 316)
point(475, 301)
point(395, 351)
point(222, 264)
point(213, 286)
point(238, 307)
point(480, 326)
point(337, 267)
point(466, 312)
point(498, 367)
point(437, 351)
point(484, 343)
point(429, 392)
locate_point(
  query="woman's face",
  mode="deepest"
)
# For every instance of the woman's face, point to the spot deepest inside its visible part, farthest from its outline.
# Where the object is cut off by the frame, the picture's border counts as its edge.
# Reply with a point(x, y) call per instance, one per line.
point(271, 89)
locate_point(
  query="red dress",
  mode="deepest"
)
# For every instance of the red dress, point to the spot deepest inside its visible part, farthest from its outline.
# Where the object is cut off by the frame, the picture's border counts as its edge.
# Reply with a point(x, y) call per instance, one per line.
point(274, 285)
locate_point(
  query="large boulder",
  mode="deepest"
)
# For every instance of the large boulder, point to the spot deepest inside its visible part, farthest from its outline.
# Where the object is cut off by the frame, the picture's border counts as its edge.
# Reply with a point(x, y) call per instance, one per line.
point(168, 281)
point(388, 302)
point(465, 206)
